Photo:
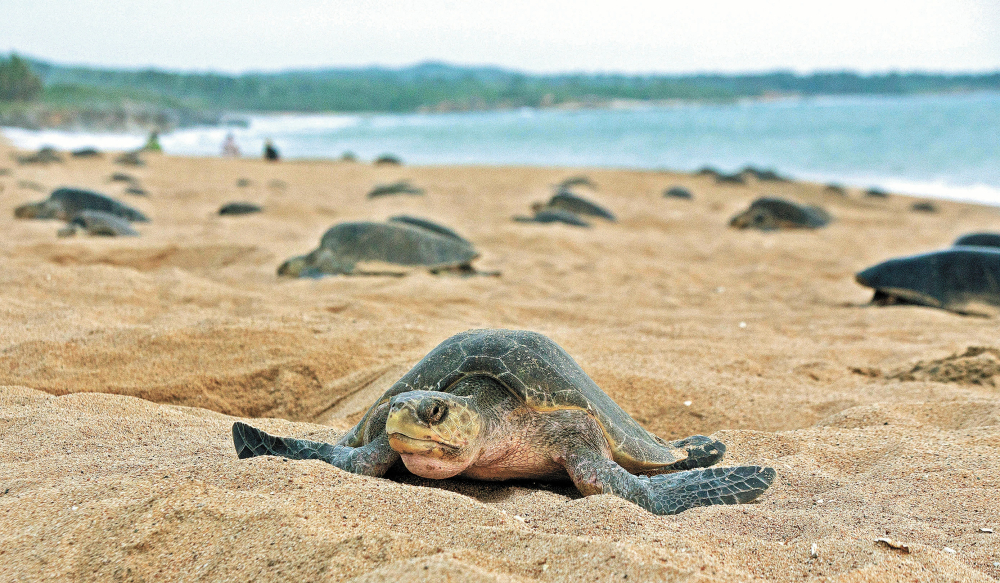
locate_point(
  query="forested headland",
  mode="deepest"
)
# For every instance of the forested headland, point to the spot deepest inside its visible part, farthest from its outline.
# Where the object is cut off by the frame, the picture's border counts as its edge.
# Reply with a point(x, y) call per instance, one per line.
point(38, 93)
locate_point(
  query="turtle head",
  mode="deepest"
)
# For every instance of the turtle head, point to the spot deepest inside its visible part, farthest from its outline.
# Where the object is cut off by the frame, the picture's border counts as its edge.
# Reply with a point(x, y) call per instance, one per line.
point(36, 210)
point(435, 433)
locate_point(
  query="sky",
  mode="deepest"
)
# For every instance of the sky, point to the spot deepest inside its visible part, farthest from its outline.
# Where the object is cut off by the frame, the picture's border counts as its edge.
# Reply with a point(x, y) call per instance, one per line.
point(541, 36)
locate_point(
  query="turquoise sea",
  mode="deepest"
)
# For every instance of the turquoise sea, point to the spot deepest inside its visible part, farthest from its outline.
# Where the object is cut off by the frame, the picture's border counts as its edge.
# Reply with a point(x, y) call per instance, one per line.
point(944, 146)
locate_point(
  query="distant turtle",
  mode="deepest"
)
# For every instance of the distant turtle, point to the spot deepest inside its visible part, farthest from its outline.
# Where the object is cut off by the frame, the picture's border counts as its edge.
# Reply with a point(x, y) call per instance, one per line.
point(875, 192)
point(136, 190)
point(44, 155)
point(511, 404)
point(567, 201)
point(428, 225)
point(708, 171)
point(769, 214)
point(978, 240)
point(243, 182)
point(400, 187)
point(388, 160)
point(924, 207)
point(577, 181)
point(678, 192)
point(66, 203)
point(834, 188)
point(240, 208)
point(736, 178)
point(961, 279)
point(86, 153)
point(99, 223)
point(550, 215)
point(130, 159)
point(122, 177)
point(347, 247)
point(763, 175)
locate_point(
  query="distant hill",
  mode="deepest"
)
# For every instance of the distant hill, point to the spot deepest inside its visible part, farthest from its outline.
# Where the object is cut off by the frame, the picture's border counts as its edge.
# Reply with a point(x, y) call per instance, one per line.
point(435, 86)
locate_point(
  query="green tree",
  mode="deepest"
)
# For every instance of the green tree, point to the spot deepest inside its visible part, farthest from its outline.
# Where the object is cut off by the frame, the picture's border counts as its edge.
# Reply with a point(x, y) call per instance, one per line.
point(17, 81)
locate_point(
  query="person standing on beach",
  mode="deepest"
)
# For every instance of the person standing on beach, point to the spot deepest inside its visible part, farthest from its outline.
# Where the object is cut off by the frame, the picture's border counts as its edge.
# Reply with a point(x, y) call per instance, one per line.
point(153, 142)
point(229, 147)
point(270, 151)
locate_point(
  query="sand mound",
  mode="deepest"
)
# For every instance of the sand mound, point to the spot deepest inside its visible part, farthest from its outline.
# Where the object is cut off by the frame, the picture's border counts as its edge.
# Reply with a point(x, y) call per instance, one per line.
point(978, 365)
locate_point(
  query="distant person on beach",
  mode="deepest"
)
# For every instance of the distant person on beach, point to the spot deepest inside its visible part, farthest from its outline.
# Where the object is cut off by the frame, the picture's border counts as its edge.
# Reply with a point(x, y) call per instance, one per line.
point(153, 142)
point(229, 147)
point(271, 152)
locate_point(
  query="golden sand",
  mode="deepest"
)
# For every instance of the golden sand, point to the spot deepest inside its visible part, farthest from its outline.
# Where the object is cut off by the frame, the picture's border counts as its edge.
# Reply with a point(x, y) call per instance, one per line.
point(127, 360)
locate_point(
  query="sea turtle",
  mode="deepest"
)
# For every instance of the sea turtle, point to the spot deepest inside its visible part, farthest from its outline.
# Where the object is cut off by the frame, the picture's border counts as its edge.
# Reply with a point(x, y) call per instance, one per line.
point(240, 208)
point(678, 192)
point(549, 215)
point(98, 223)
point(428, 225)
point(131, 159)
point(44, 155)
point(763, 175)
point(835, 188)
point(924, 206)
point(567, 201)
point(978, 240)
point(961, 279)
point(400, 187)
point(875, 192)
point(506, 404)
point(86, 153)
point(769, 214)
point(66, 203)
point(577, 181)
point(345, 248)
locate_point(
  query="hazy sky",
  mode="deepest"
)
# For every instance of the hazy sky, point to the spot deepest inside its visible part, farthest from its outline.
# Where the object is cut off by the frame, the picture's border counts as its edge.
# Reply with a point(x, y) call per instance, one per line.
point(533, 35)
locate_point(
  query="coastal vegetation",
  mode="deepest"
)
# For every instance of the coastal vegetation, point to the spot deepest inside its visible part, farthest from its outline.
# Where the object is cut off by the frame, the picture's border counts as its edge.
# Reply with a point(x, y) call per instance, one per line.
point(180, 98)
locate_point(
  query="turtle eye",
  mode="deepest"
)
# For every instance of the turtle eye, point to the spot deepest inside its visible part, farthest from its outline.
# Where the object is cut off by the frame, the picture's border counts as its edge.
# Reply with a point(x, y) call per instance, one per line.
point(436, 412)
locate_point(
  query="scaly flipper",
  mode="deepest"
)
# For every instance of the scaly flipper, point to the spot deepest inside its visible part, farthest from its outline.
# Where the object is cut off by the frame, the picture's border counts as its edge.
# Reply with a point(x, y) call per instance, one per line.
point(373, 459)
point(667, 493)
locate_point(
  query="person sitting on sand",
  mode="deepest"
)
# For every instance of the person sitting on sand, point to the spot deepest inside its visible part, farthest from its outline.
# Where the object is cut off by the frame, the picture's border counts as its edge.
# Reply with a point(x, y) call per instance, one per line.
point(270, 151)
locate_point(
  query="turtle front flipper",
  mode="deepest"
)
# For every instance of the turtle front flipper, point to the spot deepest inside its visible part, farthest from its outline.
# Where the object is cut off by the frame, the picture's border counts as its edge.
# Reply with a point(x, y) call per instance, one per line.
point(667, 493)
point(701, 451)
point(372, 459)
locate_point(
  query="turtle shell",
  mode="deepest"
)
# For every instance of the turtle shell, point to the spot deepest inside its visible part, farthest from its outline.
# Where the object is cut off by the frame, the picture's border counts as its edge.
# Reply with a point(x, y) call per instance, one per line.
point(544, 376)
point(395, 242)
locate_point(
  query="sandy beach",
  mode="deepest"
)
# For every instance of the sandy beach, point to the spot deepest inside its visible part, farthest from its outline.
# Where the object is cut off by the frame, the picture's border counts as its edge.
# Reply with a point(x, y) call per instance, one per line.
point(124, 362)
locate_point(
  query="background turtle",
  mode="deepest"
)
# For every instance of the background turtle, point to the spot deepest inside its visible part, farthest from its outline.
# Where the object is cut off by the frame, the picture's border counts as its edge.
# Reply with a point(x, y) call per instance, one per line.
point(678, 192)
point(550, 215)
point(961, 279)
point(429, 225)
point(567, 201)
point(240, 208)
point(978, 240)
point(66, 203)
point(770, 214)
point(502, 404)
point(400, 187)
point(346, 245)
point(100, 224)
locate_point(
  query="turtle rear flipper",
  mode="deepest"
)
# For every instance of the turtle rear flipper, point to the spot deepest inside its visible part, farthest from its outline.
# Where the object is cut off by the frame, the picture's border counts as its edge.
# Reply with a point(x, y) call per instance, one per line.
point(373, 459)
point(667, 493)
point(673, 493)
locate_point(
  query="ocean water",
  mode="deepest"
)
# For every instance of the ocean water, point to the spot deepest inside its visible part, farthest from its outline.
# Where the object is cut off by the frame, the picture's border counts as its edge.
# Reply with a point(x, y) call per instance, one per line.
point(945, 146)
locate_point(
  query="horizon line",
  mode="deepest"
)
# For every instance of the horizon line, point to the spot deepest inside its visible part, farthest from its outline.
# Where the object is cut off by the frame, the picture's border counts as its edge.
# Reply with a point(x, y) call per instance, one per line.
point(507, 69)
